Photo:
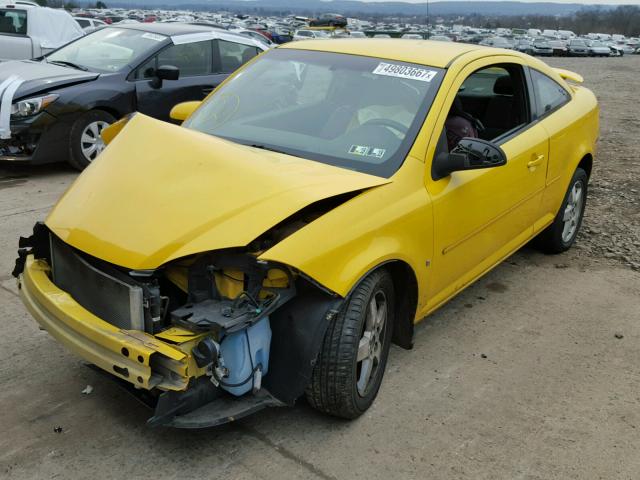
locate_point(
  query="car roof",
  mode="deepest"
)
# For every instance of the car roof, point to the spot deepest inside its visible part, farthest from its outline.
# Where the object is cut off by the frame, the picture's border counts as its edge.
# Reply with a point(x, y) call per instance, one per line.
point(170, 29)
point(435, 54)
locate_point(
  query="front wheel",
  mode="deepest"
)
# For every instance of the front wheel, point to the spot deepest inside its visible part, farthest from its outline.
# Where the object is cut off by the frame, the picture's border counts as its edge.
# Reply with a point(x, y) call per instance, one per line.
point(85, 143)
point(561, 234)
point(353, 357)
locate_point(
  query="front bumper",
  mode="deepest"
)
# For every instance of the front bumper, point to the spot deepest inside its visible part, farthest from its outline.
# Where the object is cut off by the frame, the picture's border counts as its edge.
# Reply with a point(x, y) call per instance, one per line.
point(38, 139)
point(133, 356)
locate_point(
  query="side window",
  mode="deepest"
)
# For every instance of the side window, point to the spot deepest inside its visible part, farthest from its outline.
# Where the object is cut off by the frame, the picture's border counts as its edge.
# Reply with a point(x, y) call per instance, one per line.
point(84, 23)
point(13, 21)
point(549, 94)
point(234, 55)
point(491, 102)
point(191, 58)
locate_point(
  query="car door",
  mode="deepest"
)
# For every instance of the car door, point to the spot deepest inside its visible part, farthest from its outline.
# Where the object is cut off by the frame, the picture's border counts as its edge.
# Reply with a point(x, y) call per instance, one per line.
point(199, 75)
point(480, 216)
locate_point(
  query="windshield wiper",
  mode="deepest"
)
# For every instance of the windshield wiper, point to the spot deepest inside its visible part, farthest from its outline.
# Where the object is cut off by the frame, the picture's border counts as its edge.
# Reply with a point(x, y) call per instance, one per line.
point(264, 147)
point(68, 64)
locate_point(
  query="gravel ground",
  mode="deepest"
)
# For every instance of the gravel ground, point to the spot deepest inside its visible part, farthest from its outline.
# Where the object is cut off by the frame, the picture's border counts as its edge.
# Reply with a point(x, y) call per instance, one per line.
point(611, 227)
point(531, 373)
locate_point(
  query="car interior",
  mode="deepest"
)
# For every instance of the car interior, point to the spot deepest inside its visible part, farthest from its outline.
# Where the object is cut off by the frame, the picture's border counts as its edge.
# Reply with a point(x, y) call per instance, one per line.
point(497, 97)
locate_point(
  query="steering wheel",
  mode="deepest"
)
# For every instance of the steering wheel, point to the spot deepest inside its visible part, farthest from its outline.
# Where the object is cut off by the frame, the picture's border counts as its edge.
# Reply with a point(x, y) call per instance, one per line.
point(386, 122)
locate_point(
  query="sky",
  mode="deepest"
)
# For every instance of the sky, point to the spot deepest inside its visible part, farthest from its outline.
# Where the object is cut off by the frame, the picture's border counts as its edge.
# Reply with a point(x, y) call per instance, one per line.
point(600, 2)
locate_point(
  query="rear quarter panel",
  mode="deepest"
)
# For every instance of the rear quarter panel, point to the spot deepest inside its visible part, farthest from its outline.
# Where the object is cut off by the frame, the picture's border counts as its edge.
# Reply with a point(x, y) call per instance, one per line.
point(573, 134)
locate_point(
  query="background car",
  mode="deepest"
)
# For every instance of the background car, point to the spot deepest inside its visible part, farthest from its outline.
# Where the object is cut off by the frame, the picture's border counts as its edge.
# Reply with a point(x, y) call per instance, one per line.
point(310, 35)
point(597, 48)
point(559, 47)
point(412, 36)
point(329, 20)
point(89, 24)
point(524, 46)
point(542, 48)
point(28, 31)
point(65, 100)
point(578, 47)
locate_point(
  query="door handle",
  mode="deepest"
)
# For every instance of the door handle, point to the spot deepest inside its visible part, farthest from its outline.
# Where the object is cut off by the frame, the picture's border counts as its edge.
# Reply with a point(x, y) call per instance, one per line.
point(537, 160)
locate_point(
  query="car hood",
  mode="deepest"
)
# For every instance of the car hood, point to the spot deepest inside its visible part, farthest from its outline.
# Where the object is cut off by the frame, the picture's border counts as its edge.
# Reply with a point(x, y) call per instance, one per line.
point(161, 192)
point(41, 76)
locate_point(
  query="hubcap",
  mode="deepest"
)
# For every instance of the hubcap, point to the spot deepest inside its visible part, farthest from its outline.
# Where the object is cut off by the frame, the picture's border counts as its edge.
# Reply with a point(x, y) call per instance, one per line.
point(573, 212)
point(91, 142)
point(371, 342)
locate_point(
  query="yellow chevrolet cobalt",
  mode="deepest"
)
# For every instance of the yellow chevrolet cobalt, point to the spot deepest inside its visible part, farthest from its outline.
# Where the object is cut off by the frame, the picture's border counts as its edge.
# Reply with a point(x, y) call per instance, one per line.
point(308, 213)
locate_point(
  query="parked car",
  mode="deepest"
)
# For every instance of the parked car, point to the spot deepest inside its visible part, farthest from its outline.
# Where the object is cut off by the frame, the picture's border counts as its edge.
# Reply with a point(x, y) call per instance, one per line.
point(310, 35)
point(89, 24)
point(62, 102)
point(29, 32)
point(578, 47)
point(525, 46)
point(497, 42)
point(256, 36)
point(329, 20)
point(412, 36)
point(598, 49)
point(542, 48)
point(559, 47)
point(273, 246)
point(440, 38)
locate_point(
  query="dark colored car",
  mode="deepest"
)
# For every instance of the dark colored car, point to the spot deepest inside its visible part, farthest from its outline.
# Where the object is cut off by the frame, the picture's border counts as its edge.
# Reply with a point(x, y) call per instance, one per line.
point(542, 48)
point(579, 48)
point(329, 20)
point(62, 101)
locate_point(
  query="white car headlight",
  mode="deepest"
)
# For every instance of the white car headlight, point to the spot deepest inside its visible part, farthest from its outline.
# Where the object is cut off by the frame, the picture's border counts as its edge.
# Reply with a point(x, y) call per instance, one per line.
point(31, 106)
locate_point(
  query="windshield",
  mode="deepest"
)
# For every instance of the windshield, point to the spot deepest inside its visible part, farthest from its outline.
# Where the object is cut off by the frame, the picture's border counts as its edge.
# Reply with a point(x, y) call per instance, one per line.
point(579, 43)
point(355, 112)
point(107, 50)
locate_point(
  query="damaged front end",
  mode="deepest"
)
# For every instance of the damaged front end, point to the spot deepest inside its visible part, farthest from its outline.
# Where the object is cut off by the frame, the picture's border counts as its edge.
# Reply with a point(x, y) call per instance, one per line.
point(203, 340)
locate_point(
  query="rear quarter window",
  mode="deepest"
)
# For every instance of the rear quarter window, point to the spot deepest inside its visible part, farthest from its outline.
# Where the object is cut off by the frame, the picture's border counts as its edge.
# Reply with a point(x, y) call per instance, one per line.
point(13, 22)
point(550, 95)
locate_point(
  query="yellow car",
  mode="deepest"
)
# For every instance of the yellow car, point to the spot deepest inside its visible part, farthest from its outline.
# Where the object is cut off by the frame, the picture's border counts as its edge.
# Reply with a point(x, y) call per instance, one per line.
point(310, 211)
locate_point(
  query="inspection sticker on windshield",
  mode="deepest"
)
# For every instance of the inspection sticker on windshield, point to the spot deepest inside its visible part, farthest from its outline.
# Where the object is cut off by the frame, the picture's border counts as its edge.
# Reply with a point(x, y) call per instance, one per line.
point(404, 71)
point(153, 36)
point(365, 151)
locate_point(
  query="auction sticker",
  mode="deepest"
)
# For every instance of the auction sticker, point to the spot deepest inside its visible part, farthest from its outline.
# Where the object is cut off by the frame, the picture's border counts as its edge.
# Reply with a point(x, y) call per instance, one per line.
point(404, 71)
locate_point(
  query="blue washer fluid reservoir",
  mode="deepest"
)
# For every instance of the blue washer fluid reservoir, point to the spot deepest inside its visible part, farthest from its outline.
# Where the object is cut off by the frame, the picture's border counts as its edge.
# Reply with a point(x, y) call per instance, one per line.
point(235, 352)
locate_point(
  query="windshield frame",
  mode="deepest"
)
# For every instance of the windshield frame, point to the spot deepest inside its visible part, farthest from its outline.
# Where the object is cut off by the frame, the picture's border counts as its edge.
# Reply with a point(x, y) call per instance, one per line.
point(385, 169)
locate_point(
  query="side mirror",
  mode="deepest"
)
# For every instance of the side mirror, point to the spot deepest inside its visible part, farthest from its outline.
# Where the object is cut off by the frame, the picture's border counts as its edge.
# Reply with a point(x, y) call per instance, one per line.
point(165, 72)
point(183, 110)
point(469, 154)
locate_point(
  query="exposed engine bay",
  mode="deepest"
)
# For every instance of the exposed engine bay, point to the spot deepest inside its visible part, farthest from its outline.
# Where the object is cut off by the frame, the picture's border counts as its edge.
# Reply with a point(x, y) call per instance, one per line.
point(237, 318)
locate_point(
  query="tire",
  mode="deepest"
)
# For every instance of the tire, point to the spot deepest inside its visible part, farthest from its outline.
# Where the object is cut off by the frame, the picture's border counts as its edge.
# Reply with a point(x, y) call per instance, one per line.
point(85, 143)
point(561, 234)
point(338, 384)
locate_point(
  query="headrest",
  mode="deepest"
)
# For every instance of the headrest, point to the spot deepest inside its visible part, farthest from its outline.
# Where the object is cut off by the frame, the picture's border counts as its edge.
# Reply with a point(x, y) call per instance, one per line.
point(503, 86)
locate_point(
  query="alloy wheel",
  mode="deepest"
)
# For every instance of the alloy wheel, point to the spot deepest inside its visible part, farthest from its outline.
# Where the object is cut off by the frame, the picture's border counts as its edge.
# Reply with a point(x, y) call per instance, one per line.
point(91, 142)
point(573, 212)
point(371, 342)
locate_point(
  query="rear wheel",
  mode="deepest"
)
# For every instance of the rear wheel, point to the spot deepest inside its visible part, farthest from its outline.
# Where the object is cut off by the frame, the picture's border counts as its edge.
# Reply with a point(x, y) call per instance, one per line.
point(560, 235)
point(353, 357)
point(85, 143)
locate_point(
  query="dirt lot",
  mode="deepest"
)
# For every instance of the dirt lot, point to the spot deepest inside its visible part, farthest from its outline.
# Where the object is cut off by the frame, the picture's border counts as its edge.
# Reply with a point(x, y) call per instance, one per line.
point(521, 376)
